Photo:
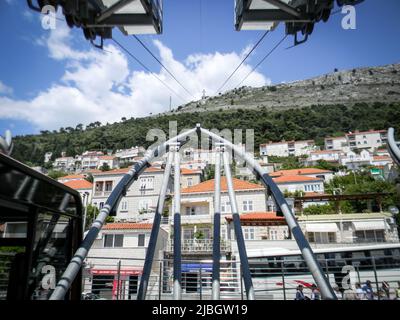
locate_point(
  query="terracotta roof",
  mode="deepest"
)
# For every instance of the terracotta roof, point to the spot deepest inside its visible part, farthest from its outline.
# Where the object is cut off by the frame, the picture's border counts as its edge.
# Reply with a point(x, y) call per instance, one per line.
point(107, 157)
point(79, 184)
point(382, 158)
point(185, 171)
point(127, 226)
point(293, 172)
point(258, 216)
point(326, 151)
point(124, 171)
point(208, 186)
point(72, 176)
point(295, 178)
point(286, 142)
point(366, 132)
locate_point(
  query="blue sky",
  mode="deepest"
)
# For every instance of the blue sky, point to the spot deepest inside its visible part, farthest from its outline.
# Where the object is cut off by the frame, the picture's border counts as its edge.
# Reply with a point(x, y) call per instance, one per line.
point(37, 79)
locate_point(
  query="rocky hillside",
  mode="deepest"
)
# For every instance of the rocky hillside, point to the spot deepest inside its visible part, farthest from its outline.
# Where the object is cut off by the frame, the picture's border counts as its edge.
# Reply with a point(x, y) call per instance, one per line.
point(369, 85)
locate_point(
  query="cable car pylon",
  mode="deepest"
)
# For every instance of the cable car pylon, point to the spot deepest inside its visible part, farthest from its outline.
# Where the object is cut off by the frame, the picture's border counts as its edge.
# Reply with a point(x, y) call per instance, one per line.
point(172, 147)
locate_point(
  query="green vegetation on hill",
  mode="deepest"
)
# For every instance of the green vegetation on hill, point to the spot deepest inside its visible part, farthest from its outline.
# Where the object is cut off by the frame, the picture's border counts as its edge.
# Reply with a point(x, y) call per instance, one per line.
point(295, 124)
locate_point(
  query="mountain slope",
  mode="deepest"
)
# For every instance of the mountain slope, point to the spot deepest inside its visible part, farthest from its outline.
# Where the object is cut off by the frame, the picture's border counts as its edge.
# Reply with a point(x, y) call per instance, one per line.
point(369, 85)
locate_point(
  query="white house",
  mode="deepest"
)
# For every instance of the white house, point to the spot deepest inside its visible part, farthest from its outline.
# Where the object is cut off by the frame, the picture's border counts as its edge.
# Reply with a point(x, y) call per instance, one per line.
point(287, 148)
point(354, 161)
point(84, 187)
point(129, 155)
point(118, 253)
point(325, 175)
point(66, 164)
point(197, 206)
point(141, 198)
point(332, 156)
point(90, 160)
point(299, 183)
point(337, 143)
point(190, 177)
point(110, 161)
point(369, 140)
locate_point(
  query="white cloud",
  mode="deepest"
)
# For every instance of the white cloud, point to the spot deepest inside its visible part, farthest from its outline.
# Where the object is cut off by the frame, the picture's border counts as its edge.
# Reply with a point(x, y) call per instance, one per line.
point(100, 86)
point(6, 90)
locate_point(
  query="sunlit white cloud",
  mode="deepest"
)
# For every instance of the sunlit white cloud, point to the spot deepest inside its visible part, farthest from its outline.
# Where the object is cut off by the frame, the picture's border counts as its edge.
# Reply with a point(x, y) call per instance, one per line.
point(102, 86)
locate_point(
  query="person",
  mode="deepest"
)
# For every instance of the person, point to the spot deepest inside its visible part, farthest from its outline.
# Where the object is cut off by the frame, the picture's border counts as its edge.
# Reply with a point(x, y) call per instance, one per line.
point(338, 293)
point(300, 294)
point(386, 289)
point(315, 295)
point(360, 292)
point(398, 291)
point(369, 292)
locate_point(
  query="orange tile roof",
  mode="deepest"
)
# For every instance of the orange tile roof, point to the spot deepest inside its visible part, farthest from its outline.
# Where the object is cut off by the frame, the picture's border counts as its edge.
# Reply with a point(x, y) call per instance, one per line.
point(258, 216)
point(295, 178)
point(107, 157)
point(326, 151)
point(208, 186)
point(293, 172)
point(72, 176)
point(185, 171)
point(79, 184)
point(366, 132)
point(127, 226)
point(382, 158)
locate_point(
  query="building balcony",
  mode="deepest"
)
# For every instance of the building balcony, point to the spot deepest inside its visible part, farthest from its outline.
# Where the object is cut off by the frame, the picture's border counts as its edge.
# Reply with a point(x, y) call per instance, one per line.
point(199, 246)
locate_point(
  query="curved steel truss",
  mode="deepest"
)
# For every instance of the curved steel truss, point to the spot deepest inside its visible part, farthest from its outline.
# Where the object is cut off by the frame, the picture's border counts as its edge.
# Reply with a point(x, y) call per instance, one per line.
point(172, 146)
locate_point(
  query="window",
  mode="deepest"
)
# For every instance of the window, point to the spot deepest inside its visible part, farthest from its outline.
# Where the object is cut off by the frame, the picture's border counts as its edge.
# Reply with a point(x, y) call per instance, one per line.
point(247, 205)
point(146, 183)
point(144, 204)
point(99, 186)
point(273, 234)
point(248, 233)
point(190, 211)
point(101, 205)
point(141, 240)
point(113, 240)
point(108, 187)
point(190, 182)
point(124, 205)
point(225, 207)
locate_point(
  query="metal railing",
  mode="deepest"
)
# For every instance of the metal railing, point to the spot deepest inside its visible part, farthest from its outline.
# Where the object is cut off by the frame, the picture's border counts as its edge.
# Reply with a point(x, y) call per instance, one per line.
point(199, 246)
point(273, 279)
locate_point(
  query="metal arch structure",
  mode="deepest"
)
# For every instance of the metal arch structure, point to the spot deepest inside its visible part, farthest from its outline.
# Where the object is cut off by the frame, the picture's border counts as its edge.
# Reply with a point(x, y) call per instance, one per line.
point(97, 18)
point(299, 16)
point(172, 147)
point(393, 146)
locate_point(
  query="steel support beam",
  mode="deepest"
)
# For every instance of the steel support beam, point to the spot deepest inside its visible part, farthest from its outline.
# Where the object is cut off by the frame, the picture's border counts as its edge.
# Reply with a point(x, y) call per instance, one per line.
point(286, 8)
point(248, 283)
point(112, 202)
point(393, 146)
point(177, 225)
point(217, 226)
point(308, 255)
point(113, 9)
point(144, 282)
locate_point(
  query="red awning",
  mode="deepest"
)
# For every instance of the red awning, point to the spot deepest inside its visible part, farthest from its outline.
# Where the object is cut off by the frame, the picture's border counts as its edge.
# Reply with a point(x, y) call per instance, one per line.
point(123, 272)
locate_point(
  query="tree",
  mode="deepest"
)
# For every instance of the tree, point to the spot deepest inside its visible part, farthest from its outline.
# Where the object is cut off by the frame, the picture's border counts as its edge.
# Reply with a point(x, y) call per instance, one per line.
point(105, 167)
point(56, 174)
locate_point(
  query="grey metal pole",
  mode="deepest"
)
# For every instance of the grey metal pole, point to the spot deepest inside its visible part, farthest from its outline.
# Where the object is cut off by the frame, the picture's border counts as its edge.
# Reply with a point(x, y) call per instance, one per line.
point(283, 279)
point(154, 231)
point(160, 282)
point(217, 227)
point(393, 146)
point(248, 283)
point(119, 280)
point(76, 263)
point(308, 255)
point(177, 226)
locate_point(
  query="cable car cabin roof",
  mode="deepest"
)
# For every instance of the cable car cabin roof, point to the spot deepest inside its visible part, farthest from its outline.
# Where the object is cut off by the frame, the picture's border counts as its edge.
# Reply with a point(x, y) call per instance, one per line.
point(24, 185)
point(132, 17)
point(261, 15)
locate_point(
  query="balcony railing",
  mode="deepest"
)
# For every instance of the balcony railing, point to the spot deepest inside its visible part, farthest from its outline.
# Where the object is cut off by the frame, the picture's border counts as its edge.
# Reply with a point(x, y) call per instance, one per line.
point(199, 246)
